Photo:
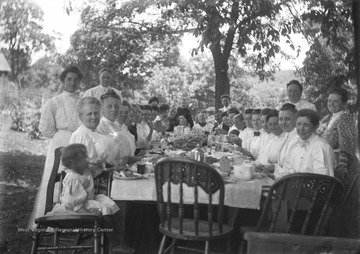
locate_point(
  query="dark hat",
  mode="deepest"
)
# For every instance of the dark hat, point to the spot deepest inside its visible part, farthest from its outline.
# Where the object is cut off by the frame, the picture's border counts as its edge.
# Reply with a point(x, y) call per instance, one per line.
point(109, 93)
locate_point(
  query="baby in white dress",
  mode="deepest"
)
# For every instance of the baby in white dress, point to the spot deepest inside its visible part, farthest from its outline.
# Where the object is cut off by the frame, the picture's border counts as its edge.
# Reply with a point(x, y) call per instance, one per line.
point(78, 186)
point(78, 195)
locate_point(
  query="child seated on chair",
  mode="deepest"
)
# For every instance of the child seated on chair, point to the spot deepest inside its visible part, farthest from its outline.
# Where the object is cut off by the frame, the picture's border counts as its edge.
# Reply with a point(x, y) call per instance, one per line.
point(78, 195)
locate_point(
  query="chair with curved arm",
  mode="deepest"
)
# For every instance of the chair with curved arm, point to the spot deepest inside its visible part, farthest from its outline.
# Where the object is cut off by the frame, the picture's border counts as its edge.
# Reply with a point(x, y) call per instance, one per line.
point(181, 182)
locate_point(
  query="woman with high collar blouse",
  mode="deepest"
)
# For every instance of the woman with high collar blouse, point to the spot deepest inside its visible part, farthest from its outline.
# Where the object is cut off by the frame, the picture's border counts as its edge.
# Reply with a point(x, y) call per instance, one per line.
point(144, 129)
point(102, 149)
point(59, 119)
point(338, 128)
point(309, 153)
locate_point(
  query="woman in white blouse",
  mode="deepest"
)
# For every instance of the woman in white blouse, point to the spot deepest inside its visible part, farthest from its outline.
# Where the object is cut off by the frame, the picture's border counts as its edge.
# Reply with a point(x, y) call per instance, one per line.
point(202, 126)
point(59, 119)
point(310, 153)
point(105, 77)
point(269, 152)
point(101, 148)
point(287, 122)
point(144, 129)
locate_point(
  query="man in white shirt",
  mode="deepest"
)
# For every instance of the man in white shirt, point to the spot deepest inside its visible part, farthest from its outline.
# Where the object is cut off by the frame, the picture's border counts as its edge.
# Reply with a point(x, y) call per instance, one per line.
point(294, 91)
point(310, 154)
point(105, 81)
point(239, 125)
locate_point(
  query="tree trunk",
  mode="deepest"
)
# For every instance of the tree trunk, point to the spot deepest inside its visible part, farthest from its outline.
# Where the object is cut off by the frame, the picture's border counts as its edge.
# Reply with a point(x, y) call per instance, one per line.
point(222, 85)
point(356, 13)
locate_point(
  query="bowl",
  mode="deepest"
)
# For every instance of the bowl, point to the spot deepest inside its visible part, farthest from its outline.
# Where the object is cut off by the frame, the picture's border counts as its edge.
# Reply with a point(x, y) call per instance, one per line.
point(243, 171)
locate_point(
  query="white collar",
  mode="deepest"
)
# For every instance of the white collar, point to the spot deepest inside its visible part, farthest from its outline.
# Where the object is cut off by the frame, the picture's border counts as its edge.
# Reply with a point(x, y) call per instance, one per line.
point(108, 121)
point(338, 114)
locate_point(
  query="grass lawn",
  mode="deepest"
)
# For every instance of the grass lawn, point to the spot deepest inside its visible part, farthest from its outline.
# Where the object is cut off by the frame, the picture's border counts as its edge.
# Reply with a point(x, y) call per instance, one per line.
point(21, 165)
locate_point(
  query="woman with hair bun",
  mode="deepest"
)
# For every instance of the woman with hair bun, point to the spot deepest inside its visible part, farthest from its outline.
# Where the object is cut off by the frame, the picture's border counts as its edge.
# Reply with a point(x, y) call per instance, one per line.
point(59, 119)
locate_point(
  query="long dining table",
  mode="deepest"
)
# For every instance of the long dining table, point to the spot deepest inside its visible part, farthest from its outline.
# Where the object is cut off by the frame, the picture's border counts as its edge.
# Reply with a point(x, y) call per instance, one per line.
point(238, 194)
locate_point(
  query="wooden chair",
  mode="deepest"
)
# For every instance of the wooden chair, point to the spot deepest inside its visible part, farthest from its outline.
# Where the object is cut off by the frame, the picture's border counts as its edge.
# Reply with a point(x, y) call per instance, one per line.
point(79, 225)
point(299, 203)
point(178, 174)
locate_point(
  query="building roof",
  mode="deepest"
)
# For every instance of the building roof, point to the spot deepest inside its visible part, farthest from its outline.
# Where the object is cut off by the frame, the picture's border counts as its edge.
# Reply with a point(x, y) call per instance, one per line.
point(4, 65)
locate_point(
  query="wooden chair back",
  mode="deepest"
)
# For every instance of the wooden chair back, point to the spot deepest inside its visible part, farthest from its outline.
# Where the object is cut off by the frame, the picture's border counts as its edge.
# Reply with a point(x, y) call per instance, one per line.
point(54, 178)
point(102, 182)
point(308, 201)
point(177, 173)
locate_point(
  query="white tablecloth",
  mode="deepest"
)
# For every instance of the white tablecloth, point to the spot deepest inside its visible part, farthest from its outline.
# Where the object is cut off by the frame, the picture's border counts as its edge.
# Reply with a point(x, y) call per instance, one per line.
point(242, 194)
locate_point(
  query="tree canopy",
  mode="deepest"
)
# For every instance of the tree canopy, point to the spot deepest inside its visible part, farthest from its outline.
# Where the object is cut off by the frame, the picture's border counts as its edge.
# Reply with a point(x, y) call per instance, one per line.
point(330, 62)
point(251, 26)
point(21, 33)
point(130, 39)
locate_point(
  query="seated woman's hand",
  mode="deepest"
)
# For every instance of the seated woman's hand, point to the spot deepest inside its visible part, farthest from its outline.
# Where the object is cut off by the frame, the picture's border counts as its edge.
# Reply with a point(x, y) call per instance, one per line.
point(235, 139)
point(245, 152)
point(267, 170)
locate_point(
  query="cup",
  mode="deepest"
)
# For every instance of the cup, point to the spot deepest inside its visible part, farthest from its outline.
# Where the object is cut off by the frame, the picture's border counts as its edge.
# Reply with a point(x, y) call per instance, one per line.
point(243, 171)
point(148, 168)
point(141, 166)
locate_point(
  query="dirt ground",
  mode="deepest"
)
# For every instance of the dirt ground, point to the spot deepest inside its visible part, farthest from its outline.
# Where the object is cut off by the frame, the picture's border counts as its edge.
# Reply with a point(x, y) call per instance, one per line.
point(21, 166)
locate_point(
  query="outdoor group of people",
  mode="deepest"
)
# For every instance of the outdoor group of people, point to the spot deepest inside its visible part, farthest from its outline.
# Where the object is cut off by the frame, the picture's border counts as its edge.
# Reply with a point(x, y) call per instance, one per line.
point(294, 139)
point(114, 132)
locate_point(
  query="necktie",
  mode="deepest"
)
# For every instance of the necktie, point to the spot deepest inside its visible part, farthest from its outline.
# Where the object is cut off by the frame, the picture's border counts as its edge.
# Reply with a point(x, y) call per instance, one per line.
point(256, 133)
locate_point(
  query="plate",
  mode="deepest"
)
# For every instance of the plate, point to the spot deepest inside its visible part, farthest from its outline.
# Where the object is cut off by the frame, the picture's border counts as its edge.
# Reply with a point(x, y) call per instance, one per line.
point(134, 177)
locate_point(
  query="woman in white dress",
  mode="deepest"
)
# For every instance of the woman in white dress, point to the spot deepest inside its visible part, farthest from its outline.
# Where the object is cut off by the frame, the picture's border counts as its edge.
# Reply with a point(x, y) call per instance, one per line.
point(106, 78)
point(287, 122)
point(101, 148)
point(202, 126)
point(269, 152)
point(59, 119)
point(144, 129)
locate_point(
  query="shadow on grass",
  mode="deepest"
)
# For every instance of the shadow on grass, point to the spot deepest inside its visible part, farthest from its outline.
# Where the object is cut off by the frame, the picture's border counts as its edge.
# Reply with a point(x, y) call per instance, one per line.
point(20, 176)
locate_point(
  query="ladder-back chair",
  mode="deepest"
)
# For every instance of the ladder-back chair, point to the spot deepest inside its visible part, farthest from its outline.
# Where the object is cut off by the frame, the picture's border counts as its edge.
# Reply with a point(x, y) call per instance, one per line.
point(189, 178)
point(79, 225)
